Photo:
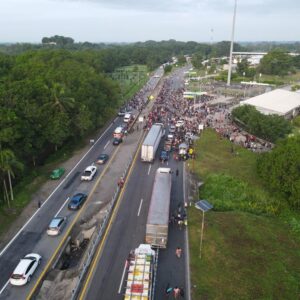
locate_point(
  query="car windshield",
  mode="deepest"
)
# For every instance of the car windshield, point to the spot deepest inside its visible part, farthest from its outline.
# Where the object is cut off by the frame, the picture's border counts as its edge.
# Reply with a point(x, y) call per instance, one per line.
point(17, 276)
point(55, 222)
point(103, 156)
point(87, 173)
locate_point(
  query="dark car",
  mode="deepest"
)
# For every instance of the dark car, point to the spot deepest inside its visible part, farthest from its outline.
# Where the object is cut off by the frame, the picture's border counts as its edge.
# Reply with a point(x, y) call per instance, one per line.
point(77, 201)
point(164, 155)
point(102, 159)
point(117, 141)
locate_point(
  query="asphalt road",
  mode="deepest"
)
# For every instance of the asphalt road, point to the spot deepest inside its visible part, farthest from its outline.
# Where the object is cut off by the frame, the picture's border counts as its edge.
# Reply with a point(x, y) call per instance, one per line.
point(33, 238)
point(128, 232)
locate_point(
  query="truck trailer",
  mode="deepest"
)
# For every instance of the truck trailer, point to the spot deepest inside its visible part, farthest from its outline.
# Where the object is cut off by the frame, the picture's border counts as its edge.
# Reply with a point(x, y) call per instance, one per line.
point(158, 215)
point(151, 142)
point(141, 267)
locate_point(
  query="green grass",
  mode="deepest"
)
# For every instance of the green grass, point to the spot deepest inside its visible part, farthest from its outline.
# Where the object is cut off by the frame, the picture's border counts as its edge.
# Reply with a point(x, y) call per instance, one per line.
point(249, 250)
point(244, 256)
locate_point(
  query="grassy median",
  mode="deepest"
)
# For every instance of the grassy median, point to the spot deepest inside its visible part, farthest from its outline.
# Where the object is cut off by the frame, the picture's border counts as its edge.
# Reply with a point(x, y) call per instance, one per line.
point(249, 252)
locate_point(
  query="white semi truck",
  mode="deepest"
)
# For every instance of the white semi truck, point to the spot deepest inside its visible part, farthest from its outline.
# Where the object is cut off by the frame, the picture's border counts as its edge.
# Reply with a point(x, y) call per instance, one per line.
point(151, 142)
point(157, 225)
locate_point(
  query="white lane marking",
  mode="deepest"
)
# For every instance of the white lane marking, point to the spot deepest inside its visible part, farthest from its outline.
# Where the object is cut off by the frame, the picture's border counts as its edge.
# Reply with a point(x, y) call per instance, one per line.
point(122, 279)
point(116, 119)
point(186, 236)
point(18, 233)
point(106, 144)
point(62, 207)
point(149, 169)
point(138, 214)
point(4, 287)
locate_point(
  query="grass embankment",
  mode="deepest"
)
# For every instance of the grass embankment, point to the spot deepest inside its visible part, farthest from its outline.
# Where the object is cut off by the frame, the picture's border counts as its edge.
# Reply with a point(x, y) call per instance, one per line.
point(248, 251)
point(130, 82)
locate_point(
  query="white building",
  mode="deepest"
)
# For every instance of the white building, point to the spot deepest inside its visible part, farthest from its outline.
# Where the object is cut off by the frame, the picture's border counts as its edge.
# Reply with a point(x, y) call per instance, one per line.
point(279, 102)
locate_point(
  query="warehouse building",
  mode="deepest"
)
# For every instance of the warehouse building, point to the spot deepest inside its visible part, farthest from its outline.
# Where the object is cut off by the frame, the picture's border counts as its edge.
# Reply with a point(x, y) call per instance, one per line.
point(279, 102)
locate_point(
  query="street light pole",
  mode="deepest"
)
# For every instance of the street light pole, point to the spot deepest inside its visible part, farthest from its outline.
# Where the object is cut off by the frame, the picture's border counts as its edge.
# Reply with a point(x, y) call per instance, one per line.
point(202, 231)
point(231, 44)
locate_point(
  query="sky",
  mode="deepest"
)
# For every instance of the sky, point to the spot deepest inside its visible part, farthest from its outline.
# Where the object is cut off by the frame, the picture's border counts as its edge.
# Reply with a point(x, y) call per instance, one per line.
point(141, 20)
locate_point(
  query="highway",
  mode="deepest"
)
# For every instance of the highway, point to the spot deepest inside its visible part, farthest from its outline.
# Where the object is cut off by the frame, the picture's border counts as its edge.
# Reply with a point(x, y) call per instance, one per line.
point(127, 231)
point(33, 238)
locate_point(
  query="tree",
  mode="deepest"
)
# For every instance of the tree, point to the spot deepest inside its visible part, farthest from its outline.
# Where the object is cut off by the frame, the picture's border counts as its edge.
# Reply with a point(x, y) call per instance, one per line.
point(276, 62)
point(270, 127)
point(7, 163)
point(279, 170)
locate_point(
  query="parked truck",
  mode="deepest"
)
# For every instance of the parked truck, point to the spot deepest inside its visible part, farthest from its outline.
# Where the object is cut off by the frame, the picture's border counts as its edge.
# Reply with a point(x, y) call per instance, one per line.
point(151, 142)
point(157, 225)
point(141, 266)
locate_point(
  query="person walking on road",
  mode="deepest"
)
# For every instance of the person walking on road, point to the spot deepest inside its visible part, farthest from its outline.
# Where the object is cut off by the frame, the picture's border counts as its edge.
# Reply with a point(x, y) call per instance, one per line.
point(177, 172)
point(169, 290)
point(178, 252)
point(176, 292)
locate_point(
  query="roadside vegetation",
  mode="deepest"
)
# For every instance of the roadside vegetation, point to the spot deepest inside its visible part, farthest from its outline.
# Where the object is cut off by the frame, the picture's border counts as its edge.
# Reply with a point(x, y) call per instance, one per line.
point(251, 238)
point(267, 127)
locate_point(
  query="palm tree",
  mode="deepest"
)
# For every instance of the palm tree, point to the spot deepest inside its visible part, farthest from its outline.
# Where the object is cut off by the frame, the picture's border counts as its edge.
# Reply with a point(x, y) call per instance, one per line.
point(59, 102)
point(7, 163)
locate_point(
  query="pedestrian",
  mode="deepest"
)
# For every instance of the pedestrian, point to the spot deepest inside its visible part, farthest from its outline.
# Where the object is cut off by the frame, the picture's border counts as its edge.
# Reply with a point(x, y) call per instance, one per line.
point(39, 204)
point(178, 252)
point(169, 289)
point(181, 292)
point(177, 172)
point(176, 292)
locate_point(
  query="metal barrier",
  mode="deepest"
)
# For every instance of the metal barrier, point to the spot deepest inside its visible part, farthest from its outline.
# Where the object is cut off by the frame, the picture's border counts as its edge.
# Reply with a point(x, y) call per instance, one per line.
point(98, 236)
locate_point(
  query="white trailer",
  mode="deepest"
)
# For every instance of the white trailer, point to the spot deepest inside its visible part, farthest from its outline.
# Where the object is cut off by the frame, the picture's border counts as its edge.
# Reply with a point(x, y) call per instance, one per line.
point(151, 142)
point(158, 216)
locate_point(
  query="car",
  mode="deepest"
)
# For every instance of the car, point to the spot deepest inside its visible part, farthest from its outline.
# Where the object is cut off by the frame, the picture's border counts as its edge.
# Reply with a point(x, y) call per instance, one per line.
point(57, 173)
point(56, 226)
point(77, 201)
point(102, 159)
point(117, 141)
point(179, 123)
point(25, 269)
point(127, 118)
point(89, 173)
point(172, 129)
point(164, 155)
point(170, 137)
point(121, 113)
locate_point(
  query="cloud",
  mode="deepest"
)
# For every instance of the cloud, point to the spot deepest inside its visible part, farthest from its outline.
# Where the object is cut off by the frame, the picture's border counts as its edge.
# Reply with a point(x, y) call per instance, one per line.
point(217, 6)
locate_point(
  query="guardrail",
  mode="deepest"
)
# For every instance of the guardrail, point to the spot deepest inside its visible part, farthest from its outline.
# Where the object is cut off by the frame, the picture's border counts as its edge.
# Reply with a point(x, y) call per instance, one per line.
point(100, 230)
point(98, 234)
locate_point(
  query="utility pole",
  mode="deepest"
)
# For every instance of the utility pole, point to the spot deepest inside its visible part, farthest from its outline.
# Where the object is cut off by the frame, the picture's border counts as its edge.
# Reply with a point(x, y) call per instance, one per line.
point(231, 44)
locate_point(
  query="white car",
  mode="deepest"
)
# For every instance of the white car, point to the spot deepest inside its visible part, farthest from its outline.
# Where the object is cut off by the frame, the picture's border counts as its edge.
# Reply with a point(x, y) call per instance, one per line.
point(179, 123)
point(127, 117)
point(172, 129)
point(56, 226)
point(25, 269)
point(89, 173)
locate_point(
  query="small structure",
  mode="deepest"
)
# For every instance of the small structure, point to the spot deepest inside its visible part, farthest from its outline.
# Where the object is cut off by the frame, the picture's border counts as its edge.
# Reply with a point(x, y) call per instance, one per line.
point(279, 102)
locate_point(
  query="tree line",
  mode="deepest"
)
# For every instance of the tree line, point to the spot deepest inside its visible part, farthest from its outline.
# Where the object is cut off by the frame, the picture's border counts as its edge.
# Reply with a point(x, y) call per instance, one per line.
point(49, 98)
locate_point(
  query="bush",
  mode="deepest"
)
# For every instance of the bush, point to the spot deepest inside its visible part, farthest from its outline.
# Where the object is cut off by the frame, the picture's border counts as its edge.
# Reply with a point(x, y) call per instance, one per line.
point(227, 193)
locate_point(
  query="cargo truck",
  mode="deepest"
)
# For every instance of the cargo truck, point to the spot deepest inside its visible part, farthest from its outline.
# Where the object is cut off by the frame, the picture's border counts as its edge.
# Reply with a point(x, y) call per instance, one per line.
point(141, 267)
point(151, 142)
point(157, 225)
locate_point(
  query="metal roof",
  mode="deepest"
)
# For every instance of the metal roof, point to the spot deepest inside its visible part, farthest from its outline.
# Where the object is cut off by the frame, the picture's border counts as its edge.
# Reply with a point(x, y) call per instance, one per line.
point(160, 200)
point(152, 135)
point(279, 102)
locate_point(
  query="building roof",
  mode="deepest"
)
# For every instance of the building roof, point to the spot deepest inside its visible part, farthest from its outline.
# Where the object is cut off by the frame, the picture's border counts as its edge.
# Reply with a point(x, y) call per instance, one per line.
point(279, 102)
